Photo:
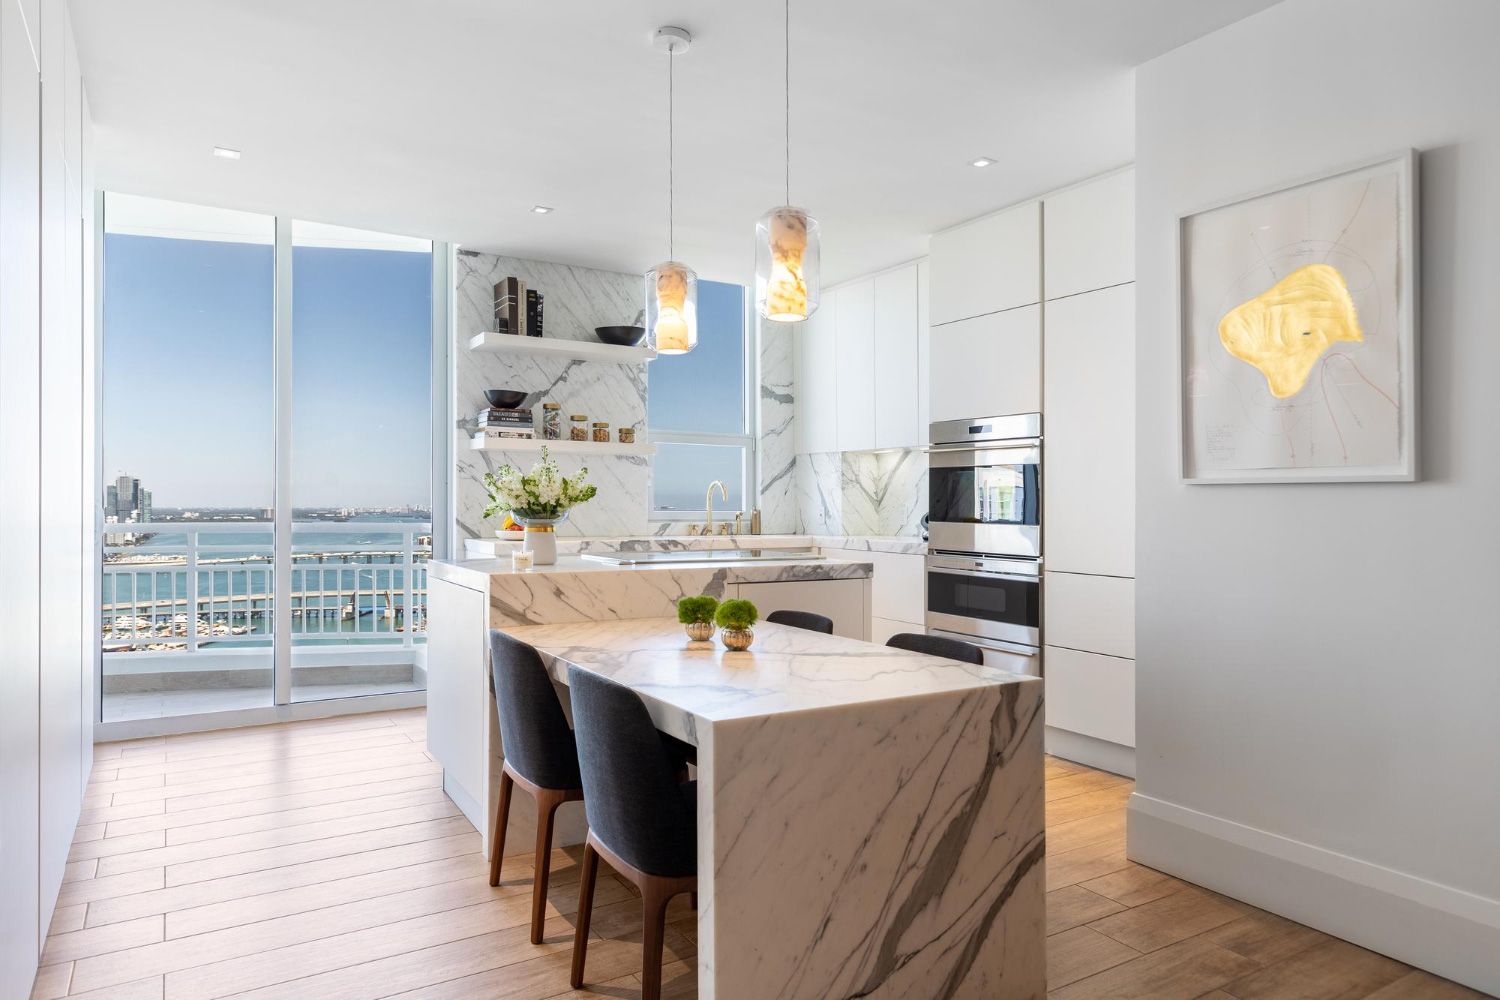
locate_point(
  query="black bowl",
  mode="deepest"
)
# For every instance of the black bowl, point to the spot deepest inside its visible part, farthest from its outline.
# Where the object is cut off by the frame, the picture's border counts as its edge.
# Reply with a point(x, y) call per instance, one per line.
point(620, 336)
point(505, 399)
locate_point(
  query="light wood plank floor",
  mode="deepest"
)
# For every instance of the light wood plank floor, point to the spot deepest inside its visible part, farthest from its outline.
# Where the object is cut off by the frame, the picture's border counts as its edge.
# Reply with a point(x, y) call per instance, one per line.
point(321, 860)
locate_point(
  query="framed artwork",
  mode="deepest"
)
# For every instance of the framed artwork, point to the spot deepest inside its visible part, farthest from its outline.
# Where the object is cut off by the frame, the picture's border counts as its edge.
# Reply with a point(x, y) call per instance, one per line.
point(1297, 317)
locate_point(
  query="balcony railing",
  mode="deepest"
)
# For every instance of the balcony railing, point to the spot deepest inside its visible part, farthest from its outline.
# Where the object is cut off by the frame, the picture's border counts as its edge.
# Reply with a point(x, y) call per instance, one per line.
point(179, 586)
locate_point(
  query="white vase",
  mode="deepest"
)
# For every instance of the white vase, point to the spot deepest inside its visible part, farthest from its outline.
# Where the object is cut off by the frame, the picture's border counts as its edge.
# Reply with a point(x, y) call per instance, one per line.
point(540, 536)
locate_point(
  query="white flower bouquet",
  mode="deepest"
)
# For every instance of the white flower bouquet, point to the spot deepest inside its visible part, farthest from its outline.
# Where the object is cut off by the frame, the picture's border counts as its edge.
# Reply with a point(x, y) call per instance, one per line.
point(541, 494)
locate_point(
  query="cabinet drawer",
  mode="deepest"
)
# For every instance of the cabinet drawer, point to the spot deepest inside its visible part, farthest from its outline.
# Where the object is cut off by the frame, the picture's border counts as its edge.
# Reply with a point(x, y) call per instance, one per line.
point(987, 365)
point(1090, 694)
point(987, 265)
point(1092, 613)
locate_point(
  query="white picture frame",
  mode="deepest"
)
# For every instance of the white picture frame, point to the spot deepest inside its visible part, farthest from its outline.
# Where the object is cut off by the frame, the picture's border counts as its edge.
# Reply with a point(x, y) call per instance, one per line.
point(1208, 451)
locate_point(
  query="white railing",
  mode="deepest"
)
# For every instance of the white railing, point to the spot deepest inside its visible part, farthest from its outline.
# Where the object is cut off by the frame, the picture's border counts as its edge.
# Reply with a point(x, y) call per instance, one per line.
point(183, 586)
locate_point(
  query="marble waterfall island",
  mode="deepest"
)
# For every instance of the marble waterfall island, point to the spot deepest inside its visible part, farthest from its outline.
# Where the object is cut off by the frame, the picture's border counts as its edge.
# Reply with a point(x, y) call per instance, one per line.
point(870, 821)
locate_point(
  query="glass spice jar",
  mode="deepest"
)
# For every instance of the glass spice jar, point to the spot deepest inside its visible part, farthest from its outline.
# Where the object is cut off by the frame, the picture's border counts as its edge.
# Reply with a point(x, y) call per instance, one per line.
point(626, 435)
point(601, 432)
point(552, 421)
point(578, 427)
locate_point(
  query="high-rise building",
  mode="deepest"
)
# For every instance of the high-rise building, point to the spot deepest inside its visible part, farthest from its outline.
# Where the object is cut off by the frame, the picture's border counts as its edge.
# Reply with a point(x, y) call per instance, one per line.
point(127, 494)
point(111, 502)
point(145, 505)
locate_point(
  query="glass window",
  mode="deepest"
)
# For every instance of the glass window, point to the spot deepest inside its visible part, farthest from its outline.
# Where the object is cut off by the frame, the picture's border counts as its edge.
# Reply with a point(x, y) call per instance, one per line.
point(697, 410)
point(188, 437)
point(361, 463)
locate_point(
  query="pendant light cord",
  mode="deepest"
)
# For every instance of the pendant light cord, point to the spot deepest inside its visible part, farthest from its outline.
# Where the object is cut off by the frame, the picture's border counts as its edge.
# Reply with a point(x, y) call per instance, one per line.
point(787, 83)
point(671, 162)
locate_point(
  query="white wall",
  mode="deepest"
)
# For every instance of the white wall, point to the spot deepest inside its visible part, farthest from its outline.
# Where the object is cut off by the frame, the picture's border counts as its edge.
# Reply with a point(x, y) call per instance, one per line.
point(47, 500)
point(1318, 689)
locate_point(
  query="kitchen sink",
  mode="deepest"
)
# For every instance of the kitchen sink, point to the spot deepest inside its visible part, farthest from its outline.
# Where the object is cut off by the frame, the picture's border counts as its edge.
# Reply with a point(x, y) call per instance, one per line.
point(702, 556)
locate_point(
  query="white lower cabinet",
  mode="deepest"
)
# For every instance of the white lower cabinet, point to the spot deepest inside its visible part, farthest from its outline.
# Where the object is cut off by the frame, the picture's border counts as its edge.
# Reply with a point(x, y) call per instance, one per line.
point(847, 602)
point(986, 365)
point(1090, 694)
point(1088, 625)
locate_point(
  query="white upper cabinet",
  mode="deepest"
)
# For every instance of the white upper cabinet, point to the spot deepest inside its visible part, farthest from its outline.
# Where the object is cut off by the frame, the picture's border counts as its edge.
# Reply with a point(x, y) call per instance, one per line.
point(855, 365)
point(816, 386)
point(1089, 427)
point(1090, 240)
point(897, 401)
point(987, 265)
point(987, 365)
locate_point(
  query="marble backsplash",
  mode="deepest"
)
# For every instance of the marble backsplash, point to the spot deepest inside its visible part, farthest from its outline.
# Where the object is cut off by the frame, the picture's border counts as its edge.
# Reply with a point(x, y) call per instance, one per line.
point(861, 493)
point(579, 299)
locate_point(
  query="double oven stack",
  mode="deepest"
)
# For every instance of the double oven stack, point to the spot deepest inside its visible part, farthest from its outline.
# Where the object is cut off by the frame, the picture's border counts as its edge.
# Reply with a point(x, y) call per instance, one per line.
point(984, 559)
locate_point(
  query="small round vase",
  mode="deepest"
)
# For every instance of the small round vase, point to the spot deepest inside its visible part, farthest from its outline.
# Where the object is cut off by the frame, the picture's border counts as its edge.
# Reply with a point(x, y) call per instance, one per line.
point(540, 536)
point(699, 631)
point(737, 639)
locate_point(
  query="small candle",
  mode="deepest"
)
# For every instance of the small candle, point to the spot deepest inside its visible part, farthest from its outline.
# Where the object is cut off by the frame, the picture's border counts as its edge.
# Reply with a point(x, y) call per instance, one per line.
point(521, 559)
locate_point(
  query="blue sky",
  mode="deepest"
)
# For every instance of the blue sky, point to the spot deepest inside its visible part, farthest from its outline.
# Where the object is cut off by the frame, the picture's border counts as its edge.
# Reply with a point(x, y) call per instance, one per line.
point(188, 390)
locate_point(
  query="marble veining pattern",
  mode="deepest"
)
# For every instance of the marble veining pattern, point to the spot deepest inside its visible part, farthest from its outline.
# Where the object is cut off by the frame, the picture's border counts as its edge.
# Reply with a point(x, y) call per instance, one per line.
point(777, 444)
point(873, 820)
point(577, 300)
point(861, 493)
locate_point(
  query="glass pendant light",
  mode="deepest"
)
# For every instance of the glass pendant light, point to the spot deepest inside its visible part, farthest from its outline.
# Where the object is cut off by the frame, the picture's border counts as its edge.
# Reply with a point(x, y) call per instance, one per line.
point(786, 238)
point(671, 287)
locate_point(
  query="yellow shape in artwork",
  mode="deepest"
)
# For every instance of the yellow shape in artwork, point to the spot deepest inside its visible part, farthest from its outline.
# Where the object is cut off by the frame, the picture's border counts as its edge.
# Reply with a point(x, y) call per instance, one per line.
point(1285, 329)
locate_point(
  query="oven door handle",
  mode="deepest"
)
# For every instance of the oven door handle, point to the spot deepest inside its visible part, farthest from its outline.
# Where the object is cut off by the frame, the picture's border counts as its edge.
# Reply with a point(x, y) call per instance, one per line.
point(986, 575)
point(1004, 444)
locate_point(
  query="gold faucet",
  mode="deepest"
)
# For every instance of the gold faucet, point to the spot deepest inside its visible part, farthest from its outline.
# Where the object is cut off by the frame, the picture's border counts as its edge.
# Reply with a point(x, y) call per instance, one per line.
point(708, 505)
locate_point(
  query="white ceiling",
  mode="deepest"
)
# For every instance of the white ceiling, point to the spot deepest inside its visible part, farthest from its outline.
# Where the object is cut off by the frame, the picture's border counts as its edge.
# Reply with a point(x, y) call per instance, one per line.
point(450, 119)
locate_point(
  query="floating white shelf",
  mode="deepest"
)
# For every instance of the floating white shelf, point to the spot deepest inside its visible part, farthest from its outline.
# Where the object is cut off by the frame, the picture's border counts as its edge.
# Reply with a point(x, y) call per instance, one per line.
point(561, 447)
point(583, 350)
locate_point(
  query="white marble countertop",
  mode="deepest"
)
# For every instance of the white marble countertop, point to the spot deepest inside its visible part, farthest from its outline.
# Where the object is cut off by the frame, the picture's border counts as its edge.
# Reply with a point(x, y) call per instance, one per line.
point(477, 574)
point(786, 670)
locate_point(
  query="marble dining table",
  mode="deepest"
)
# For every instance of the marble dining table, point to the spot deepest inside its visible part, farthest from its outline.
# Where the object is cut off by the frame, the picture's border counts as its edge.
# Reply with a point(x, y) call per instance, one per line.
point(870, 820)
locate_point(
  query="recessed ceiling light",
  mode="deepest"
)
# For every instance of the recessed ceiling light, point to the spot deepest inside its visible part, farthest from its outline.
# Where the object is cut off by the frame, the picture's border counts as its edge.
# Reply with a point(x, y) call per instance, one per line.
point(541, 209)
point(983, 161)
point(225, 153)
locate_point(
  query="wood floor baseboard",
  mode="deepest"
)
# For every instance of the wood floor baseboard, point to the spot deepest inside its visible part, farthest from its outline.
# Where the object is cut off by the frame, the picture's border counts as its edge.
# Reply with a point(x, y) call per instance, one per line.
point(1096, 753)
point(1435, 927)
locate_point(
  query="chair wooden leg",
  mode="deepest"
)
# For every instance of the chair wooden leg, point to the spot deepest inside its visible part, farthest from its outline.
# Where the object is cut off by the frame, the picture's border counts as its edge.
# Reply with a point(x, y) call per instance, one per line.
point(654, 899)
point(585, 911)
point(546, 808)
point(502, 818)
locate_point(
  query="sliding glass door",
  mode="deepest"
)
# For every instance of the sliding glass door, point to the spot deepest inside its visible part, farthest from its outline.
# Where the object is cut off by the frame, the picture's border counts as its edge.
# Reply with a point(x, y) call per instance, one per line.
point(266, 436)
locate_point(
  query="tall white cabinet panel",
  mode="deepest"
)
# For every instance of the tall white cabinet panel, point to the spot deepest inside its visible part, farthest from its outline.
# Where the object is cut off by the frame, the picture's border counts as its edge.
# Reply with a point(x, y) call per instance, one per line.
point(20, 517)
point(987, 265)
point(1089, 427)
point(987, 365)
point(897, 400)
point(61, 486)
point(1090, 240)
point(817, 390)
point(855, 365)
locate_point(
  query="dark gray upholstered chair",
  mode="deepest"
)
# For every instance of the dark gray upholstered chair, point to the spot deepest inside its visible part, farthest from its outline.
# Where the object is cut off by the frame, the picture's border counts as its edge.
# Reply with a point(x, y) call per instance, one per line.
point(937, 645)
point(641, 819)
point(540, 756)
point(802, 619)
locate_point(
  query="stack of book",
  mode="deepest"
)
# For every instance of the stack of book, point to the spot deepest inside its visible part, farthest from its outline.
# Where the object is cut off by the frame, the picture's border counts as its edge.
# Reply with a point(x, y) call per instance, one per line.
point(518, 309)
point(498, 423)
